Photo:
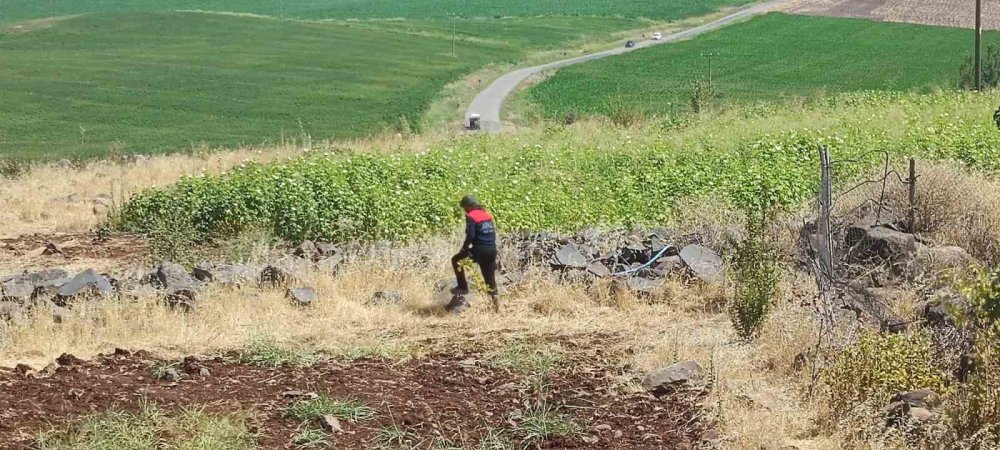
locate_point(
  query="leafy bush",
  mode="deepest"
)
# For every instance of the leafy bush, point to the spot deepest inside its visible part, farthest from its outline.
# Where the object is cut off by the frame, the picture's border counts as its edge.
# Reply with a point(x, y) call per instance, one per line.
point(755, 263)
point(879, 366)
point(703, 94)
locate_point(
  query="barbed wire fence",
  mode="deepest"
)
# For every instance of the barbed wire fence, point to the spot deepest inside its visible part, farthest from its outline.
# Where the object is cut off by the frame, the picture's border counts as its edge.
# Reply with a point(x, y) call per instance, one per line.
point(836, 250)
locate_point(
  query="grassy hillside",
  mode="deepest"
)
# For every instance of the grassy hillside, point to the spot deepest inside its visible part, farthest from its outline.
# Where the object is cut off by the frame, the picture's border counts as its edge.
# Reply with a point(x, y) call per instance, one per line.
point(17, 10)
point(766, 58)
point(156, 82)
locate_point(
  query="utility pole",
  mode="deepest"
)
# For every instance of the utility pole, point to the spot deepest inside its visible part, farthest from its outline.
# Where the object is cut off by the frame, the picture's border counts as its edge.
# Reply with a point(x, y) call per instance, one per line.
point(454, 32)
point(979, 43)
point(710, 56)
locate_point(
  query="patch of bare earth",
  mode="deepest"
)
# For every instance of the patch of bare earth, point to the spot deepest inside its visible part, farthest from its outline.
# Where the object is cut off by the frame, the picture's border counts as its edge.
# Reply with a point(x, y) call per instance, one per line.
point(456, 395)
point(952, 13)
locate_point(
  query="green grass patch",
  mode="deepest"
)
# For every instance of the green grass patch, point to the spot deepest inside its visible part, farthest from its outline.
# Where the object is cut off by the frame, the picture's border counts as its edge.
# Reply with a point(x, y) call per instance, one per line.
point(551, 180)
point(152, 428)
point(349, 409)
point(395, 438)
point(310, 438)
point(543, 421)
point(767, 58)
point(527, 358)
point(17, 10)
point(264, 351)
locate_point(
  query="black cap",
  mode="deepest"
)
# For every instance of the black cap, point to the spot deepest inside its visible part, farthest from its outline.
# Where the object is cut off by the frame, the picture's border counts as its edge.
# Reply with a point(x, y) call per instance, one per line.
point(468, 201)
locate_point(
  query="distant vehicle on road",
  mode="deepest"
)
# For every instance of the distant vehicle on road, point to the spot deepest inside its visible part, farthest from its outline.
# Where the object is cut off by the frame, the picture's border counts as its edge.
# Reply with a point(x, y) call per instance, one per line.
point(657, 36)
point(630, 44)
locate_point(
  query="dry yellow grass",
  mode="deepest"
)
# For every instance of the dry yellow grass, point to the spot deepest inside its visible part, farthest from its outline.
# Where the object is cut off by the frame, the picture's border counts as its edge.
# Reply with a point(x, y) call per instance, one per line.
point(756, 397)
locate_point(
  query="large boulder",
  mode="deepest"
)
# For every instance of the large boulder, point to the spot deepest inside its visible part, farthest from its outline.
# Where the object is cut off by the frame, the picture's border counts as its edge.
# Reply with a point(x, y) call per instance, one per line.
point(880, 243)
point(923, 398)
point(307, 250)
point(85, 284)
point(673, 377)
point(937, 261)
point(303, 296)
point(172, 277)
point(704, 263)
point(569, 256)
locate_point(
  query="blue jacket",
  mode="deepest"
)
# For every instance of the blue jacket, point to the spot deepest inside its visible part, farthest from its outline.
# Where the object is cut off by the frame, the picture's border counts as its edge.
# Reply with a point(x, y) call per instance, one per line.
point(479, 229)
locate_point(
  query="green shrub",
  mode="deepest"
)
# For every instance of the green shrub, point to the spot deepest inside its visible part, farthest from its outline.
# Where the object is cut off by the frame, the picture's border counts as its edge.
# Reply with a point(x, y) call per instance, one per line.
point(990, 72)
point(974, 409)
point(879, 366)
point(313, 408)
point(755, 265)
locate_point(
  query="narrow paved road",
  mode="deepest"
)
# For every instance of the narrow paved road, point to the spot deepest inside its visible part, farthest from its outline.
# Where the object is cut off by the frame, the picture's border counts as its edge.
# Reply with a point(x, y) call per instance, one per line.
point(490, 101)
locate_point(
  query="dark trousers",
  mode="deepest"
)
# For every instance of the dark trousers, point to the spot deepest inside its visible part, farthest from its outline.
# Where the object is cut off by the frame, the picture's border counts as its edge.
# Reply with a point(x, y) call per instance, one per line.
point(486, 258)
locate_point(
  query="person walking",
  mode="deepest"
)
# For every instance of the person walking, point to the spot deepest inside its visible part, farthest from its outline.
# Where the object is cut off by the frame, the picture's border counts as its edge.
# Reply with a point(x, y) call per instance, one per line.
point(480, 245)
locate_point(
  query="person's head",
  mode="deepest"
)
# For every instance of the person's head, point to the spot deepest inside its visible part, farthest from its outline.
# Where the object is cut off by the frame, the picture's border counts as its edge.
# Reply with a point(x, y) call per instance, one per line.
point(469, 203)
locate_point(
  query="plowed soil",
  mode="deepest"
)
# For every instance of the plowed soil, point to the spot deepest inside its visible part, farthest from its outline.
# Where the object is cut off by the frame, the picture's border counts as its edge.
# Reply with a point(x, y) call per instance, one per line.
point(456, 396)
point(952, 13)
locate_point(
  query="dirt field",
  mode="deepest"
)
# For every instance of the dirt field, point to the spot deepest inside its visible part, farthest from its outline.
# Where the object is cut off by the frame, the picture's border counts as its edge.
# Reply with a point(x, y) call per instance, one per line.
point(952, 13)
point(457, 396)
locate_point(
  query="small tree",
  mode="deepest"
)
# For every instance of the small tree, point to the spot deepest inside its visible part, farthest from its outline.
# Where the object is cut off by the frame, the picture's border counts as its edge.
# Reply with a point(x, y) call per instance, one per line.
point(703, 93)
point(757, 273)
point(991, 69)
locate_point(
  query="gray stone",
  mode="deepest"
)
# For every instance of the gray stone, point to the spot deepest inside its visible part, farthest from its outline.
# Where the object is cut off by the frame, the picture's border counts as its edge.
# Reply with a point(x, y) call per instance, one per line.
point(203, 272)
point(303, 296)
point(273, 276)
point(923, 398)
point(183, 299)
point(18, 290)
point(331, 264)
point(936, 261)
point(598, 269)
point(307, 250)
point(51, 249)
point(667, 265)
point(386, 298)
point(136, 292)
point(704, 263)
point(173, 277)
point(86, 283)
point(880, 243)
point(569, 256)
point(236, 275)
point(668, 379)
point(643, 286)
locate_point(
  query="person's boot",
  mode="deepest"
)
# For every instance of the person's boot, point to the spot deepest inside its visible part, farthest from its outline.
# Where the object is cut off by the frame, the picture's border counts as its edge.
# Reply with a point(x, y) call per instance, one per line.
point(460, 290)
point(457, 304)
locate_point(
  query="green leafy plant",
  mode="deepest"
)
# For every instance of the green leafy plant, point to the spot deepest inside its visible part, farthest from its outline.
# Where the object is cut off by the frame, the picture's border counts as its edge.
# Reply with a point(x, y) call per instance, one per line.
point(756, 275)
point(990, 72)
point(880, 365)
point(543, 421)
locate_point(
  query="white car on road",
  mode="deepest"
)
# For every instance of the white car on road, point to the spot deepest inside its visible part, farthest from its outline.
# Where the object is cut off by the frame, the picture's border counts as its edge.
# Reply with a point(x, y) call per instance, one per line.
point(657, 36)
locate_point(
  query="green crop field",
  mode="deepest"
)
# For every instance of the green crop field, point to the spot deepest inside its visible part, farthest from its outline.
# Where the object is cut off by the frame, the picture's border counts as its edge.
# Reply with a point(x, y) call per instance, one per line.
point(90, 77)
point(155, 82)
point(18, 10)
point(555, 180)
point(766, 58)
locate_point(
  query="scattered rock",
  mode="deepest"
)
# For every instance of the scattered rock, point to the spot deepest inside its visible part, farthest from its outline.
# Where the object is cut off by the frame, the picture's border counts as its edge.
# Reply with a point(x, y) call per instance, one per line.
point(618, 434)
point(236, 275)
point(667, 265)
point(598, 269)
point(123, 353)
point(171, 374)
point(51, 249)
point(922, 398)
point(603, 427)
point(327, 249)
point(880, 243)
point(331, 264)
point(330, 424)
point(204, 372)
point(173, 277)
point(86, 283)
point(307, 250)
point(569, 256)
point(902, 414)
point(23, 370)
point(273, 276)
point(203, 272)
point(183, 299)
point(67, 359)
point(935, 261)
point(386, 298)
point(18, 290)
point(303, 296)
point(704, 263)
point(643, 286)
point(668, 379)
